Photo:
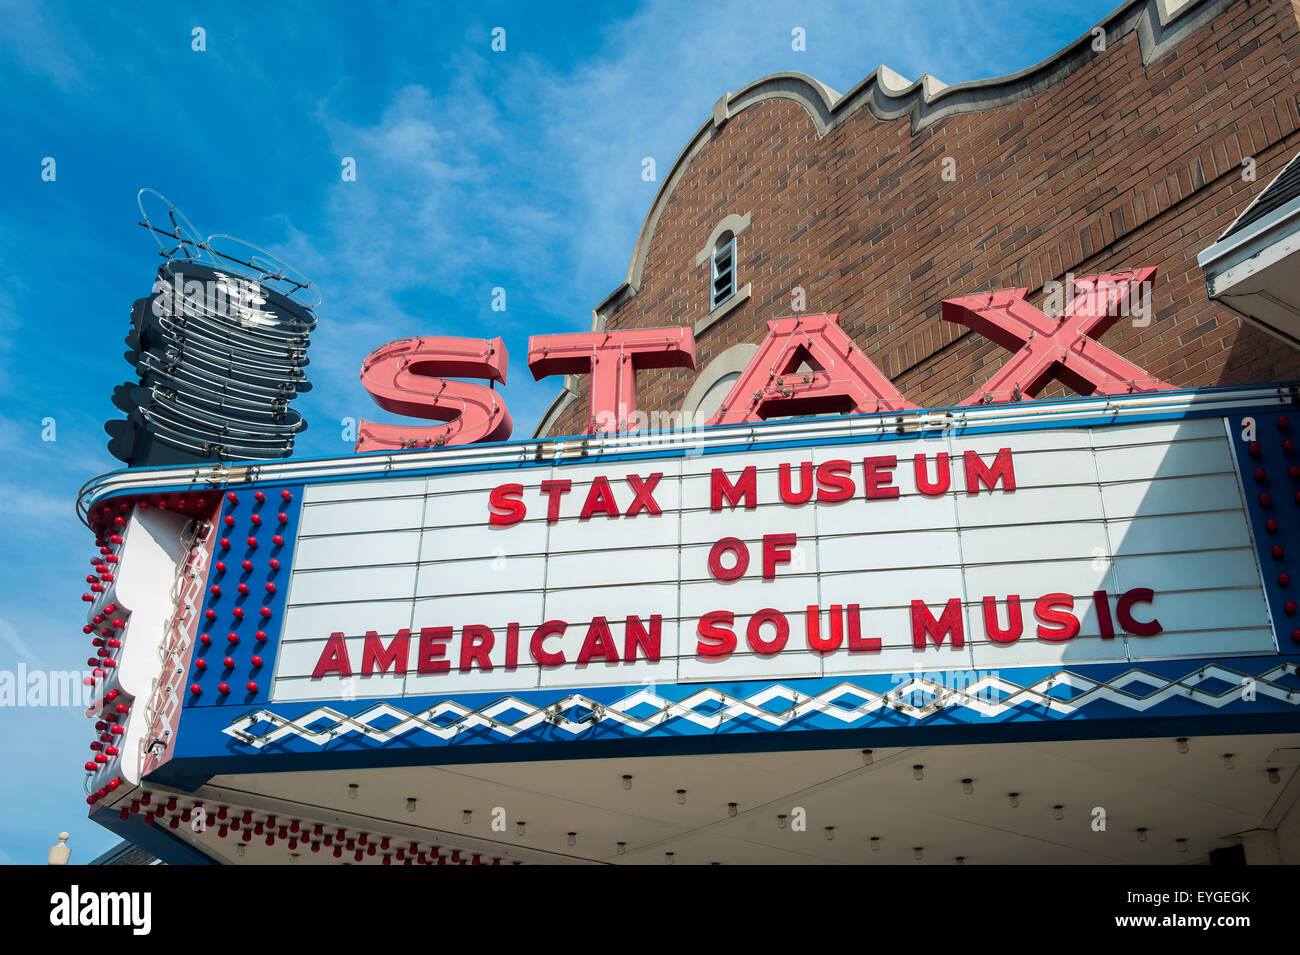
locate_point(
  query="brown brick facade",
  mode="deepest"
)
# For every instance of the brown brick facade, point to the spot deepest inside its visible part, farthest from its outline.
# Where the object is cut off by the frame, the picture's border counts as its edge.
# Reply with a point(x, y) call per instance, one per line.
point(1115, 165)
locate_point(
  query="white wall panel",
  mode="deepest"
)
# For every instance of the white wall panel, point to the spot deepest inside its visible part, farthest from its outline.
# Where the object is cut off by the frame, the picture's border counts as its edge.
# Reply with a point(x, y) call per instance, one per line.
point(1176, 495)
point(374, 514)
point(1179, 532)
point(365, 490)
point(318, 621)
point(1048, 541)
point(1071, 502)
point(330, 586)
point(480, 575)
point(456, 610)
point(357, 550)
point(469, 541)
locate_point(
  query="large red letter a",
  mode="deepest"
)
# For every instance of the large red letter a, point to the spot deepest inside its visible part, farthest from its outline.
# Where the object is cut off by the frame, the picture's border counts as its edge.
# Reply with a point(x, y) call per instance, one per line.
point(839, 377)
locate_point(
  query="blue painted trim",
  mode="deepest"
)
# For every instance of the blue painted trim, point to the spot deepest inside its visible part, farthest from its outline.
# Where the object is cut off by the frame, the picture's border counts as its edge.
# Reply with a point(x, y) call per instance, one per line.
point(157, 840)
point(1284, 508)
point(203, 749)
point(243, 671)
point(668, 450)
point(190, 773)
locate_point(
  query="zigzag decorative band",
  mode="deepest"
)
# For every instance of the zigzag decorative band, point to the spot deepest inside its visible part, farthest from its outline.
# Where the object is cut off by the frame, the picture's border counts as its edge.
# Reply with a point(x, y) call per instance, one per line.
point(991, 696)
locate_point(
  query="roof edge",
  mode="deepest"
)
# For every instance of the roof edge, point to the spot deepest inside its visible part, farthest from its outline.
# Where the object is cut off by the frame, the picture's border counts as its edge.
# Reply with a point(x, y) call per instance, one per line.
point(1160, 26)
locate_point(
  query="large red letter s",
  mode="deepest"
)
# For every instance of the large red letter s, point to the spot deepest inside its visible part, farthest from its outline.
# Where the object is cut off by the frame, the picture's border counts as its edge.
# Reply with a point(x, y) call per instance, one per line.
point(405, 377)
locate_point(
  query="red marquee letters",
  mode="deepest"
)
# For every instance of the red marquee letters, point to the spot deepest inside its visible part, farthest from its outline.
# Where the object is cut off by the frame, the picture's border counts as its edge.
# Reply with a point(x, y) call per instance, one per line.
point(806, 365)
point(1064, 348)
point(405, 377)
point(611, 359)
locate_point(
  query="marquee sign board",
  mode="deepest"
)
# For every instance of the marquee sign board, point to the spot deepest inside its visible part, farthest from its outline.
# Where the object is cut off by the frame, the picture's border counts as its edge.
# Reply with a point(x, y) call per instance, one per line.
point(1048, 548)
point(1088, 567)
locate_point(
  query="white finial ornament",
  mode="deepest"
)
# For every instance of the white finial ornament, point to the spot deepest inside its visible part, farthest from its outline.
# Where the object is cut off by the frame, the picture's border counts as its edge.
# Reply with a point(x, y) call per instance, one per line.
point(59, 854)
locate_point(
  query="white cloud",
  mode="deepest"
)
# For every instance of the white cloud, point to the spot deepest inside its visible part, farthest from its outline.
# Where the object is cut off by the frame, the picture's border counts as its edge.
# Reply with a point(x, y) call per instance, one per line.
point(22, 650)
point(519, 170)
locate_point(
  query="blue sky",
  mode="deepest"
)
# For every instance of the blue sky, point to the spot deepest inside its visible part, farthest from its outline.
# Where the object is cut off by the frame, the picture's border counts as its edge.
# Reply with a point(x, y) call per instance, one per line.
point(475, 169)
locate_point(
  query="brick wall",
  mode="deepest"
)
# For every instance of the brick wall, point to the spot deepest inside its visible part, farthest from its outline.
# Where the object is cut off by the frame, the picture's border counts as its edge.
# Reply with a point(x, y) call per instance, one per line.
point(1117, 165)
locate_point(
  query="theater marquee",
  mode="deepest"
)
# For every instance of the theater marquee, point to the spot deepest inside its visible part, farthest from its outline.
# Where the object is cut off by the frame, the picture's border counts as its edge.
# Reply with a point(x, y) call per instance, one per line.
point(1084, 545)
point(1090, 567)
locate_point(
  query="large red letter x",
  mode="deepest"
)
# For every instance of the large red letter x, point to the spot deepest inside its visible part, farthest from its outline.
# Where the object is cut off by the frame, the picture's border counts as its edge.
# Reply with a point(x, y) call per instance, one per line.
point(1064, 348)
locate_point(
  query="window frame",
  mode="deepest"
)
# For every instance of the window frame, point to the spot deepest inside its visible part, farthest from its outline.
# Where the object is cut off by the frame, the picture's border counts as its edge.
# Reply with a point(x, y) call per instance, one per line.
point(727, 248)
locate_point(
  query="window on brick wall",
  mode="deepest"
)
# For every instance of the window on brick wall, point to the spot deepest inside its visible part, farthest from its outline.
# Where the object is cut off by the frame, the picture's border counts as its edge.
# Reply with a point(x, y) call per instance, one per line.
point(722, 283)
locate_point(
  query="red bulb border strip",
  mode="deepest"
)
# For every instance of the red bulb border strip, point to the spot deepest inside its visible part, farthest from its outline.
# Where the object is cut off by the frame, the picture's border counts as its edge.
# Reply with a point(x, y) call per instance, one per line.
point(108, 624)
point(212, 822)
point(245, 597)
point(162, 714)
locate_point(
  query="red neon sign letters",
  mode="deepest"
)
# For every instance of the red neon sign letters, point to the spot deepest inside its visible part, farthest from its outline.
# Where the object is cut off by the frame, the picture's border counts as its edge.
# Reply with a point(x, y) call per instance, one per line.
point(406, 376)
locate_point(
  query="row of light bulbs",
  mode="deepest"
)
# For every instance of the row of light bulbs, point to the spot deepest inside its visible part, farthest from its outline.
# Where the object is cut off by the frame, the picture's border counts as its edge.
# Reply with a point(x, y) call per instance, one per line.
point(918, 773)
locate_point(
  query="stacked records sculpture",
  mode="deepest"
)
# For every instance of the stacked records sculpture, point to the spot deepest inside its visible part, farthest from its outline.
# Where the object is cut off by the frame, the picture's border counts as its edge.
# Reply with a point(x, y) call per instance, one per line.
point(220, 351)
